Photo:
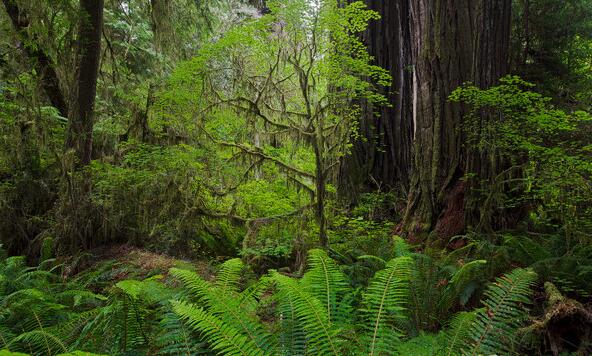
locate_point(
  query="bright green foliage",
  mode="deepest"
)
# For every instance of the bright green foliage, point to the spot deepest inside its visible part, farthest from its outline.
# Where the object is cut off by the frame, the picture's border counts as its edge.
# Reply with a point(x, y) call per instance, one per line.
point(220, 131)
point(542, 143)
point(326, 281)
point(221, 336)
point(223, 305)
point(322, 335)
point(459, 329)
point(289, 113)
point(229, 275)
point(170, 199)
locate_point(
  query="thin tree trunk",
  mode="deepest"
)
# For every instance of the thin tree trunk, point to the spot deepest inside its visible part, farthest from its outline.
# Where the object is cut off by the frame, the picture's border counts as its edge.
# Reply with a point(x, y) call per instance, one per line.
point(320, 208)
point(320, 184)
point(81, 114)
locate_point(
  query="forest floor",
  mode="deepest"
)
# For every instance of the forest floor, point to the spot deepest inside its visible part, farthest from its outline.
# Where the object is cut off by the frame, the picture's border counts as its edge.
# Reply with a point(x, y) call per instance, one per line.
point(140, 263)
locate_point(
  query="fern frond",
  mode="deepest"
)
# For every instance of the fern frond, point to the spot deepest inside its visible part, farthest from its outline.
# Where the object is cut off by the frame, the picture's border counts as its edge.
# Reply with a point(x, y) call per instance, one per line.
point(194, 283)
point(221, 336)
point(324, 280)
point(401, 247)
point(460, 280)
point(39, 341)
point(177, 339)
point(292, 336)
point(322, 336)
point(227, 306)
point(384, 303)
point(526, 250)
point(495, 327)
point(458, 331)
point(229, 275)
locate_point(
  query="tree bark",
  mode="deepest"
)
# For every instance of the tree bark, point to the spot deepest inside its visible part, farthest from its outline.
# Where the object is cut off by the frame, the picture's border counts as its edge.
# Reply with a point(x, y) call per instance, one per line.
point(484, 164)
point(442, 46)
point(381, 158)
point(81, 115)
point(40, 60)
point(453, 42)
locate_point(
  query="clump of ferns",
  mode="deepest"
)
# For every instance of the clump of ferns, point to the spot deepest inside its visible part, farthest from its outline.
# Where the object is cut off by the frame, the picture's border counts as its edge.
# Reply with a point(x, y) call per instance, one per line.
point(37, 306)
point(568, 266)
point(321, 314)
point(439, 286)
point(314, 315)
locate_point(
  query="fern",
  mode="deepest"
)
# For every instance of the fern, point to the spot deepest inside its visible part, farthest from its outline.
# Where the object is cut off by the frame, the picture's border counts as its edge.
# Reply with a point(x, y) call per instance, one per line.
point(292, 336)
point(461, 285)
point(229, 275)
point(175, 338)
point(227, 306)
point(384, 302)
point(458, 331)
point(422, 345)
point(325, 281)
point(222, 337)
point(321, 335)
point(495, 327)
point(39, 342)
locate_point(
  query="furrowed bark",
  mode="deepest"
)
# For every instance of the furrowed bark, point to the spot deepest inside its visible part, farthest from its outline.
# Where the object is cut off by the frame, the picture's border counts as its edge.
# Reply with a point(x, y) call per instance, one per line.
point(382, 157)
point(484, 164)
point(442, 46)
point(453, 42)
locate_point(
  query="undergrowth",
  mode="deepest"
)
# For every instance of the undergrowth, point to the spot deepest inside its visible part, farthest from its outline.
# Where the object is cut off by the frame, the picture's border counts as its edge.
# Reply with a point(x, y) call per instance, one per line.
point(323, 312)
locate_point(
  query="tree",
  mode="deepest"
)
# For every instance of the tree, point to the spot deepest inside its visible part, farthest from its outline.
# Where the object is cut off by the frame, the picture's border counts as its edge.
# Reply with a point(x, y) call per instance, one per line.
point(41, 61)
point(81, 115)
point(431, 47)
point(551, 47)
point(80, 109)
point(463, 41)
point(292, 74)
point(381, 158)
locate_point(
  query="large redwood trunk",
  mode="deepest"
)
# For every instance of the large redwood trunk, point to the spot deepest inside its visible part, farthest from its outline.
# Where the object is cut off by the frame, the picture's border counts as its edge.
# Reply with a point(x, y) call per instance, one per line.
point(381, 159)
point(442, 43)
point(430, 48)
point(453, 42)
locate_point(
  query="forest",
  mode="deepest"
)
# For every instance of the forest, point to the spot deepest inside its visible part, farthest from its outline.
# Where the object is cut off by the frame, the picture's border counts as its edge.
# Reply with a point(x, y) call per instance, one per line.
point(296, 177)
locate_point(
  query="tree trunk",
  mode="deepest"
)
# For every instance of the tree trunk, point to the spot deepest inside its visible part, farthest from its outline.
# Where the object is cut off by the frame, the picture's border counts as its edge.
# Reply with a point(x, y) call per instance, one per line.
point(453, 42)
point(41, 61)
point(81, 114)
point(442, 46)
point(381, 159)
point(484, 164)
point(321, 192)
